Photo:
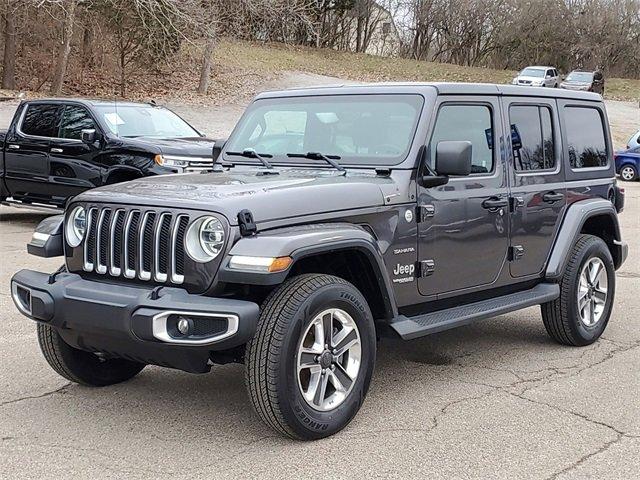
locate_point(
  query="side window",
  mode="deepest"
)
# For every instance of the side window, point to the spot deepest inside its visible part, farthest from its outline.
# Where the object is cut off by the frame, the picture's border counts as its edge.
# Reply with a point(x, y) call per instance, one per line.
point(532, 138)
point(550, 73)
point(41, 120)
point(466, 122)
point(585, 137)
point(74, 120)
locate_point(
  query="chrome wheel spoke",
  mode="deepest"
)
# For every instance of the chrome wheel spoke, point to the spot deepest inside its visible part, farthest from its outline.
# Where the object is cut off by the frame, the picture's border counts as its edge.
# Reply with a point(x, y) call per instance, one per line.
point(600, 297)
point(327, 326)
point(321, 391)
point(308, 360)
point(341, 379)
point(348, 341)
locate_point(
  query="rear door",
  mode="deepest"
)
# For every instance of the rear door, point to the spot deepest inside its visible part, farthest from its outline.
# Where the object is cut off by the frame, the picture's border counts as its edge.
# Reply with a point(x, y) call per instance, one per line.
point(27, 151)
point(537, 181)
point(72, 163)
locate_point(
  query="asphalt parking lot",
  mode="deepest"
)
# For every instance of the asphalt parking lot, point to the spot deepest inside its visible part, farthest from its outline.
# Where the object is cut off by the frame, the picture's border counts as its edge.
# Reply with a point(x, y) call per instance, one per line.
point(494, 400)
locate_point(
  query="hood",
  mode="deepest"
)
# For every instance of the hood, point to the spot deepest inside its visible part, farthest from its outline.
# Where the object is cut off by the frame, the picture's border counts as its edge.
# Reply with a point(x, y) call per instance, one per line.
point(192, 146)
point(575, 83)
point(292, 193)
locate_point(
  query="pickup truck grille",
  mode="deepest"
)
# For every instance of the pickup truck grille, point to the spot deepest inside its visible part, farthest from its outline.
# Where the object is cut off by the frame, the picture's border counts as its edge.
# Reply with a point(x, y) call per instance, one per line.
point(135, 243)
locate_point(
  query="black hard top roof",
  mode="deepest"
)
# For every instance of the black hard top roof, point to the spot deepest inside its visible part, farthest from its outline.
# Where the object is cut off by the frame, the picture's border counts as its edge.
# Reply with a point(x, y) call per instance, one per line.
point(440, 88)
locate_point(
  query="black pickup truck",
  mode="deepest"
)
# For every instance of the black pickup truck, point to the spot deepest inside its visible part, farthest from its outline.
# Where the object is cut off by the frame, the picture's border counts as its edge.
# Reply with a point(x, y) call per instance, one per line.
point(57, 148)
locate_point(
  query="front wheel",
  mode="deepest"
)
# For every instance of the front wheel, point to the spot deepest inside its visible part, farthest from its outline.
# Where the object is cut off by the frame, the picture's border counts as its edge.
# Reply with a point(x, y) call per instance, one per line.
point(82, 367)
point(628, 173)
point(581, 313)
point(309, 365)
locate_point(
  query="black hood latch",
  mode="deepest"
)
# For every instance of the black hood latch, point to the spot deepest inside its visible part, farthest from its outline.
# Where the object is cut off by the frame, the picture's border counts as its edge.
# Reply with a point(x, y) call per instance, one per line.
point(247, 225)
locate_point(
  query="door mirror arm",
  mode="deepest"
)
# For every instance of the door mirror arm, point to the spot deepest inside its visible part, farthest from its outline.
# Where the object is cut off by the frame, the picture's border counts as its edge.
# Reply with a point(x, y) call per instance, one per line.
point(430, 181)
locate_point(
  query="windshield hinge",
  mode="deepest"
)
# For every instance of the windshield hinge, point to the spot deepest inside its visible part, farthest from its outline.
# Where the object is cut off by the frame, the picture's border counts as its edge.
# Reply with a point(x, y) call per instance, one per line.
point(246, 223)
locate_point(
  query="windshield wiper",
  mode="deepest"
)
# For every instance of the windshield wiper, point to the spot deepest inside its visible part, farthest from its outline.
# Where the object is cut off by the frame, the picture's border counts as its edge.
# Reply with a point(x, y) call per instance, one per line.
point(251, 153)
point(330, 159)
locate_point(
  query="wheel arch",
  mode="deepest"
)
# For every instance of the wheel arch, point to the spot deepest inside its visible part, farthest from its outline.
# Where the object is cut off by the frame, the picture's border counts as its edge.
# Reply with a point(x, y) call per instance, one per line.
point(596, 217)
point(345, 250)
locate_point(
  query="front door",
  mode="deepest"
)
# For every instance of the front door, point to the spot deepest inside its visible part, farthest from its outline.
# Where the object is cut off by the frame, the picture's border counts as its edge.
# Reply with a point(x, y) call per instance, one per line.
point(537, 181)
point(463, 234)
point(27, 152)
point(72, 165)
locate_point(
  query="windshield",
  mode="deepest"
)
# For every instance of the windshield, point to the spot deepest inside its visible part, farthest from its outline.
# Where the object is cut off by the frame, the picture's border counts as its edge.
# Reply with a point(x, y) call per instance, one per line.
point(532, 72)
point(356, 129)
point(144, 121)
point(580, 77)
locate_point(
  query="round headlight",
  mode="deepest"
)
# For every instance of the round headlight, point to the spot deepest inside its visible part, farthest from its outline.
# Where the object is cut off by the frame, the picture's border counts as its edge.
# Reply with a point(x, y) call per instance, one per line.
point(205, 239)
point(76, 226)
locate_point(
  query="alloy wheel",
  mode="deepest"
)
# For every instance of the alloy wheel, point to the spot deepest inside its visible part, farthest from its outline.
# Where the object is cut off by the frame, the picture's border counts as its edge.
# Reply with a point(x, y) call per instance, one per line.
point(328, 359)
point(628, 173)
point(592, 291)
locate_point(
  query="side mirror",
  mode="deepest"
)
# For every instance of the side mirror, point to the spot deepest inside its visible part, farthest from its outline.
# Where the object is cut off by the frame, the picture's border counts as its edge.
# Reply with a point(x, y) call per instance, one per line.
point(453, 158)
point(88, 136)
point(217, 149)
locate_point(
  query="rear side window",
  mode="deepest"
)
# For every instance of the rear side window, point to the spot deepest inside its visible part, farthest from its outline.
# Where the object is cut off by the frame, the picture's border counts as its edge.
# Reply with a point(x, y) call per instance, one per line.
point(532, 138)
point(41, 120)
point(466, 122)
point(74, 120)
point(586, 140)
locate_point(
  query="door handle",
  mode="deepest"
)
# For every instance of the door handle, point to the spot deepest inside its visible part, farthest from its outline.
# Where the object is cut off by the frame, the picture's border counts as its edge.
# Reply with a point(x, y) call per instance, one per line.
point(14, 147)
point(56, 150)
point(552, 197)
point(494, 203)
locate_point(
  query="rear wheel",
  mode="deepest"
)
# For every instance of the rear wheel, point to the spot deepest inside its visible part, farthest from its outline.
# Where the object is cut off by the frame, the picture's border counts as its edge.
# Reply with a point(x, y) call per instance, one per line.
point(82, 367)
point(309, 365)
point(581, 313)
point(628, 173)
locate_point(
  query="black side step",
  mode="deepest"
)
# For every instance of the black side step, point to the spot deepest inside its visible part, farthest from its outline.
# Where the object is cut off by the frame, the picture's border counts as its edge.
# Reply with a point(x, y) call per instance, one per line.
point(413, 327)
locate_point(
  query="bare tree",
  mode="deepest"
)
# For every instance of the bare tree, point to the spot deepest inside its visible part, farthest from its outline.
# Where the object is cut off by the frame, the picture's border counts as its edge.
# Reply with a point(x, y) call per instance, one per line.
point(10, 39)
point(68, 19)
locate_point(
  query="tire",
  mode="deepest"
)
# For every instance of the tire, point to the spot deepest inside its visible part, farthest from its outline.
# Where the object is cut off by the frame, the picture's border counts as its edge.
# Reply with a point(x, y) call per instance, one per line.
point(562, 318)
point(628, 173)
point(83, 367)
point(274, 379)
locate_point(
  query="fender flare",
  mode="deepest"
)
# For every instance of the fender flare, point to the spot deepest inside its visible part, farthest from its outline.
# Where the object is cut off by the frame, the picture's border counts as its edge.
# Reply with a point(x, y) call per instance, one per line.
point(305, 241)
point(574, 220)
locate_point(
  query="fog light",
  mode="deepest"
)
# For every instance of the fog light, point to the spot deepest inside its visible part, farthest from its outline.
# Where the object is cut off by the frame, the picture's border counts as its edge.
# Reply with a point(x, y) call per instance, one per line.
point(184, 326)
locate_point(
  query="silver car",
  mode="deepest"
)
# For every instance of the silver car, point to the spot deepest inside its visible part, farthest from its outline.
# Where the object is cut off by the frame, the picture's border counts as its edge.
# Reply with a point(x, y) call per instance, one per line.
point(634, 141)
point(538, 76)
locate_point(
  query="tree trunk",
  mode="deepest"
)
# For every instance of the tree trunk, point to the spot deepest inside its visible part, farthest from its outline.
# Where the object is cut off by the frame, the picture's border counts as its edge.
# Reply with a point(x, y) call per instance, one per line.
point(206, 64)
point(9, 70)
point(65, 48)
point(87, 47)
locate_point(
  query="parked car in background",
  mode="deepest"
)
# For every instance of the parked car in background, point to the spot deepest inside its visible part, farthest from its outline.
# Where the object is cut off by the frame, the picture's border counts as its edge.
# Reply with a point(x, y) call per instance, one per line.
point(628, 164)
point(587, 81)
point(538, 77)
point(57, 148)
point(634, 140)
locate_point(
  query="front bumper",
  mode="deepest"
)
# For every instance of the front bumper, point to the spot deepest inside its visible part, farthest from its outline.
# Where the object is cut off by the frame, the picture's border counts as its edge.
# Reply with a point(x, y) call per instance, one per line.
point(126, 321)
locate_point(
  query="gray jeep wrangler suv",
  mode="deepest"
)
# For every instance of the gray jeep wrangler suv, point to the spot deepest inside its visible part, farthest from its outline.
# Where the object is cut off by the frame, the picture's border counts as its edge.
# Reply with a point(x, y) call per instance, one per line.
point(334, 216)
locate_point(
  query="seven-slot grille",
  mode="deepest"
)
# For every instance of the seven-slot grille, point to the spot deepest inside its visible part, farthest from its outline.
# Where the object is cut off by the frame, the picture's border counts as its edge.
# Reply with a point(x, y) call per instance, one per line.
point(143, 244)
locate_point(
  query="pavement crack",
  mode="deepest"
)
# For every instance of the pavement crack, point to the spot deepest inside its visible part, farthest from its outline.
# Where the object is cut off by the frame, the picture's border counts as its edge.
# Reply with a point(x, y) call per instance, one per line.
point(34, 397)
point(586, 457)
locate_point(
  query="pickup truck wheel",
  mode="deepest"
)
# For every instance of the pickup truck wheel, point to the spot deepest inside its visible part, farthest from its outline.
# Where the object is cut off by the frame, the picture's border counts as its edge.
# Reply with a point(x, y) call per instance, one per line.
point(310, 362)
point(581, 313)
point(82, 367)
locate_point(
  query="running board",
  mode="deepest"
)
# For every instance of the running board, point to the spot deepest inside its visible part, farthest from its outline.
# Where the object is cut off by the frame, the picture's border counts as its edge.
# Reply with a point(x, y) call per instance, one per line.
point(40, 207)
point(413, 327)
